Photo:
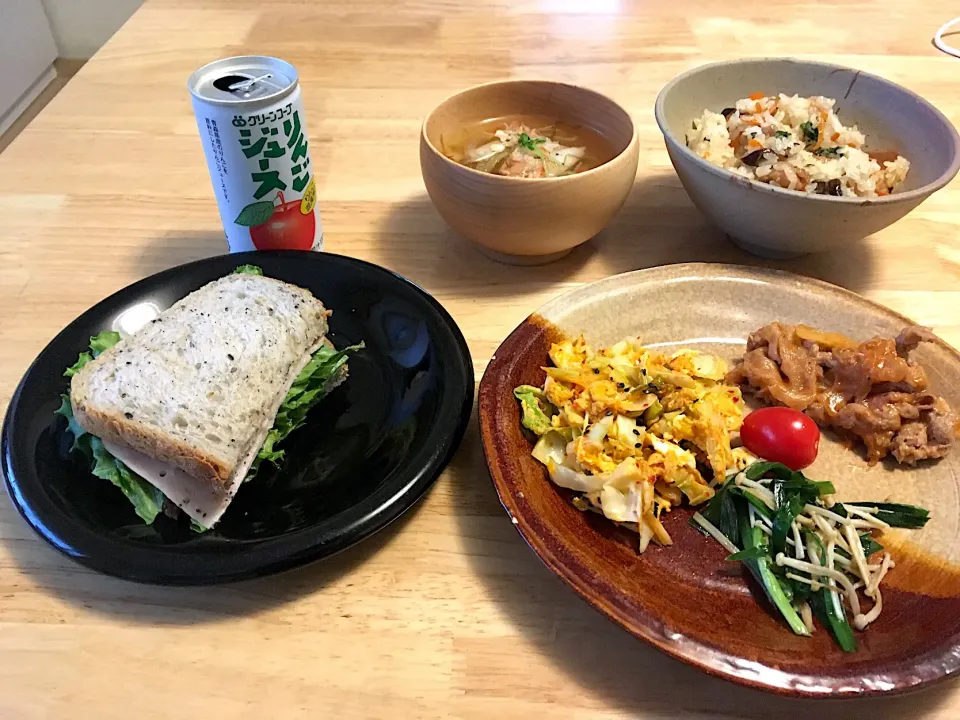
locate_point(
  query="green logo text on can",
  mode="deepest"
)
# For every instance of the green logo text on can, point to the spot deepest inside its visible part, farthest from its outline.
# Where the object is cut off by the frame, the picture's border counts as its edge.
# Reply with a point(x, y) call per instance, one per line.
point(253, 128)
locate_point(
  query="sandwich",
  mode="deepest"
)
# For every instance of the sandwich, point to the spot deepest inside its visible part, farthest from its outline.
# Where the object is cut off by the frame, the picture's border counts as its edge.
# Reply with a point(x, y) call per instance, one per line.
point(183, 411)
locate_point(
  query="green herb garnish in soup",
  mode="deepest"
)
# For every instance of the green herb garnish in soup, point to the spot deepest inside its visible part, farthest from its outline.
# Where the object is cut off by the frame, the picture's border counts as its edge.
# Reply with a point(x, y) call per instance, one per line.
point(527, 146)
point(530, 143)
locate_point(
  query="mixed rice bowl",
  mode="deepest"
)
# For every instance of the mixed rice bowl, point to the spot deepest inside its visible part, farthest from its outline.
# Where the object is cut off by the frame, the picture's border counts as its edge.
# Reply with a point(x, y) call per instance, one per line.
point(795, 143)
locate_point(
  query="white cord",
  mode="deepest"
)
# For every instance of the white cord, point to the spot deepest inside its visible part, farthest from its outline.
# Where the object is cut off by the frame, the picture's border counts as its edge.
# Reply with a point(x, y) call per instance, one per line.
point(941, 43)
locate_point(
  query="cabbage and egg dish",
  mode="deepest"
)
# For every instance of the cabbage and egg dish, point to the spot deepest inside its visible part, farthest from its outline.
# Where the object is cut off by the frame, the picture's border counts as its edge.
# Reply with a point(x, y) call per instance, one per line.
point(635, 431)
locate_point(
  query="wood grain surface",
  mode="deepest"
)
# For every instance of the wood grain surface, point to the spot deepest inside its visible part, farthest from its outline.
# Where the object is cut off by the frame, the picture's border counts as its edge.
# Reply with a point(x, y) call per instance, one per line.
point(446, 613)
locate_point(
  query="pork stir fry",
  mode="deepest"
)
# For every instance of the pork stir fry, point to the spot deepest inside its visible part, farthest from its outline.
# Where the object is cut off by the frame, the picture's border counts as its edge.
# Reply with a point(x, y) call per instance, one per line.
point(870, 390)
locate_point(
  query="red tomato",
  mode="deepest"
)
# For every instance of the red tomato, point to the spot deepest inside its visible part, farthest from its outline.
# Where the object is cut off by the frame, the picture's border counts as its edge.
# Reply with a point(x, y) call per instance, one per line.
point(287, 229)
point(781, 435)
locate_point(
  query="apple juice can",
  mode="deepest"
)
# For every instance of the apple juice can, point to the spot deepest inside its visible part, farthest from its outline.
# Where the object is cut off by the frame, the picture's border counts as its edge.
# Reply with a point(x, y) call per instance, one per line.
point(253, 127)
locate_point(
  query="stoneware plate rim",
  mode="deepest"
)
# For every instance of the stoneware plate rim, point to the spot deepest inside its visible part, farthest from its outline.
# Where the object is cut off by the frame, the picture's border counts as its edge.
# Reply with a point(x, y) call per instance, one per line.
point(493, 396)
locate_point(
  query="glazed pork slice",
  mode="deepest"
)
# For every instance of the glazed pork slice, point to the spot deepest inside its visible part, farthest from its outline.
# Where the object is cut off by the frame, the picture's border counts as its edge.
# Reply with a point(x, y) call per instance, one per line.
point(871, 390)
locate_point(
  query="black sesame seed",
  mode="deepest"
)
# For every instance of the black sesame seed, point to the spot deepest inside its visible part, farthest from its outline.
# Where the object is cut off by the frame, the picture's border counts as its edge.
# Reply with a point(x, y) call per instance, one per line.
point(636, 431)
point(638, 445)
point(230, 356)
point(596, 371)
point(128, 416)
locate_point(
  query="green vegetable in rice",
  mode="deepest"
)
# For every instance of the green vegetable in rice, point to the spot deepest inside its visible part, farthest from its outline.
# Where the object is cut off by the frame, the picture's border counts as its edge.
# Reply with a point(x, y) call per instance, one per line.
point(830, 152)
point(810, 133)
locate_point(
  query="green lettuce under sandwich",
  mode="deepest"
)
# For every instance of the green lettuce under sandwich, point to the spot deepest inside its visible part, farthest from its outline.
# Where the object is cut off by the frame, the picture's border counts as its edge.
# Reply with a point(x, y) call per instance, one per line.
point(186, 409)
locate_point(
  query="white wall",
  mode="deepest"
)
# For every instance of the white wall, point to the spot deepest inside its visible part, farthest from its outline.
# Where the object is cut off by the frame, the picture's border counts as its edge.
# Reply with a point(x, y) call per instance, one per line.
point(26, 53)
point(80, 27)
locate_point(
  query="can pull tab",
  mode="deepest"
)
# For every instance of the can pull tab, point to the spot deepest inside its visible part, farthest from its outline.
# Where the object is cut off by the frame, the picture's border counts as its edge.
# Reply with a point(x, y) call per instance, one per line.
point(249, 83)
point(247, 87)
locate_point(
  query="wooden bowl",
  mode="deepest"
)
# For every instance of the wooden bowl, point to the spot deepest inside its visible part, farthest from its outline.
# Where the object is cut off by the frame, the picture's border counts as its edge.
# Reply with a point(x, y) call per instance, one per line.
point(523, 220)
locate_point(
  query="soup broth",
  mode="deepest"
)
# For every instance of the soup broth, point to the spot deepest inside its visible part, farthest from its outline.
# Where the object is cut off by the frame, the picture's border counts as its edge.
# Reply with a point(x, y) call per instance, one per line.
point(527, 146)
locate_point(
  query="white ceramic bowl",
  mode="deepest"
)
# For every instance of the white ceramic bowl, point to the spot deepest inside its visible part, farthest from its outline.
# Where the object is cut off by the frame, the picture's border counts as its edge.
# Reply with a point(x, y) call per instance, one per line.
point(773, 222)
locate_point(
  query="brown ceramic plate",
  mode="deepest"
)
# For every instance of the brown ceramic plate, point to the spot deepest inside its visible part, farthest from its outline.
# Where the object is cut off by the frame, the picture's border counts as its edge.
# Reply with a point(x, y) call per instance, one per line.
point(685, 599)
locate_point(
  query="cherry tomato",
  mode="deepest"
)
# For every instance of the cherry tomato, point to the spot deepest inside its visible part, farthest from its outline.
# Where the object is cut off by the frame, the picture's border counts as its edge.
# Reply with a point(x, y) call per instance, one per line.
point(781, 435)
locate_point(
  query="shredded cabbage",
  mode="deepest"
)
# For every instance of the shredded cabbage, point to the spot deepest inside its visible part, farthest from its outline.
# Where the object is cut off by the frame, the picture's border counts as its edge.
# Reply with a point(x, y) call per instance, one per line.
point(535, 409)
point(634, 430)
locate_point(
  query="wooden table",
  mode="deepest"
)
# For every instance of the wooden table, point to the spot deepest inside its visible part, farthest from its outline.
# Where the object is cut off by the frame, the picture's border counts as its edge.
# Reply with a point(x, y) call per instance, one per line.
point(447, 612)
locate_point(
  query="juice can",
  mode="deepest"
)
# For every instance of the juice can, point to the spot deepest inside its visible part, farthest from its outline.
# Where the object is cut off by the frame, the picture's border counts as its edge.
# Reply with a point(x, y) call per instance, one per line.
point(253, 128)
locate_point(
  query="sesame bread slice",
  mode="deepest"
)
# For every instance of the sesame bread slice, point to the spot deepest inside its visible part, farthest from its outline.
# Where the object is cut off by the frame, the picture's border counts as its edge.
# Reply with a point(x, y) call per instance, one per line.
point(199, 386)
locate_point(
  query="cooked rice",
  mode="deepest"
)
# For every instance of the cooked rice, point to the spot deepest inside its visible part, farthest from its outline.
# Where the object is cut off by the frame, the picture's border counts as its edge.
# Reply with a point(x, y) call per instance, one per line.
point(795, 143)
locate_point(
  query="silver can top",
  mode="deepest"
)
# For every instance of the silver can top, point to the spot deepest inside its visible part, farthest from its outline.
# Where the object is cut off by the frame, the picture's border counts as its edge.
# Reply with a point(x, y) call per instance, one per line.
point(243, 81)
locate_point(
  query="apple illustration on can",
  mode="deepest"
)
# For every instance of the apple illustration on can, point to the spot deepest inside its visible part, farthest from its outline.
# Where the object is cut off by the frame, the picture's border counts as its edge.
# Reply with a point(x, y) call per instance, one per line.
point(287, 228)
point(280, 225)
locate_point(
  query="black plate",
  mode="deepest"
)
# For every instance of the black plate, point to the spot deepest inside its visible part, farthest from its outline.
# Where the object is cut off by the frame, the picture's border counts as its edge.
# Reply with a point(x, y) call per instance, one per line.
point(367, 453)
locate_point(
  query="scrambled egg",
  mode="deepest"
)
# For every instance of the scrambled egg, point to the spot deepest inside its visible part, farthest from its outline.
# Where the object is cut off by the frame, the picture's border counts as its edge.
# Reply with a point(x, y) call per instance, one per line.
point(634, 430)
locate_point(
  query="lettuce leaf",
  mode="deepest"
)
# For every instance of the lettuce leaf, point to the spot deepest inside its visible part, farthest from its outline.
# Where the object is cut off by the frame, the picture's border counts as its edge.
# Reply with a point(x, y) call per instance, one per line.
point(84, 358)
point(103, 341)
point(248, 270)
point(98, 343)
point(81, 438)
point(146, 499)
point(310, 387)
point(197, 527)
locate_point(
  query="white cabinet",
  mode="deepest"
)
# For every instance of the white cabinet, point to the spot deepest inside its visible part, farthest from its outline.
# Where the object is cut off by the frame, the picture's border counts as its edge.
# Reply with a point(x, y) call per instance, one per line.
point(27, 52)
